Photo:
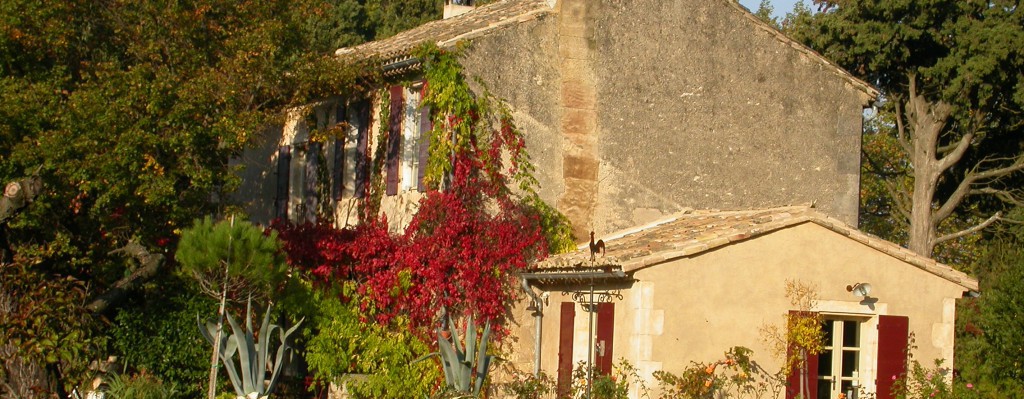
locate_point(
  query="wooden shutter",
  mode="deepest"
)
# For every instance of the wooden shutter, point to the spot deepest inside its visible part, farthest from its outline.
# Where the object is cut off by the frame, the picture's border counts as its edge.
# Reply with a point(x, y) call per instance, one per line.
point(424, 151)
point(362, 164)
point(394, 145)
point(284, 160)
point(893, 334)
point(565, 333)
point(793, 381)
point(311, 198)
point(337, 175)
point(605, 335)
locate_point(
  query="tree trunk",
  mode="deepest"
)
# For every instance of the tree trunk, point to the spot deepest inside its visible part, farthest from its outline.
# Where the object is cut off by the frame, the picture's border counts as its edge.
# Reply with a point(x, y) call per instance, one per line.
point(926, 121)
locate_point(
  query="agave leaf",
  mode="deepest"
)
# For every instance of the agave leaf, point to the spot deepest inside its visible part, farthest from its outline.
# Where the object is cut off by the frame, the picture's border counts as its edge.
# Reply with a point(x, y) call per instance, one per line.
point(229, 366)
point(448, 360)
point(245, 353)
point(481, 373)
point(263, 350)
point(483, 361)
point(455, 334)
point(470, 342)
point(204, 329)
point(275, 375)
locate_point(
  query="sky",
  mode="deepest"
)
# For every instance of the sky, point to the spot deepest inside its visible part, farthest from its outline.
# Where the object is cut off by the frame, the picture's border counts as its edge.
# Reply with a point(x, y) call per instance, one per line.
point(781, 6)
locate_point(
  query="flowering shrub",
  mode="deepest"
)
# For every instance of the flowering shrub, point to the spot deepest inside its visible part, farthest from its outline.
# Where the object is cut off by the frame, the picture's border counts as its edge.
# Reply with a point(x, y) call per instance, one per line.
point(927, 383)
point(735, 376)
point(528, 386)
point(608, 386)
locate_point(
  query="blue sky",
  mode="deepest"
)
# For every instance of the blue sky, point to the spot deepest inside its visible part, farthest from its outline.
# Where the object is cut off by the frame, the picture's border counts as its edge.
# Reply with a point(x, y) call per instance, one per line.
point(781, 6)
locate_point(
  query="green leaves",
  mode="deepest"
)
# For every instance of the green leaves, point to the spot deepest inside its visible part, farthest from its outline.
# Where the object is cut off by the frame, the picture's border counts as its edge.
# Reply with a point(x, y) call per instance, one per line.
point(252, 260)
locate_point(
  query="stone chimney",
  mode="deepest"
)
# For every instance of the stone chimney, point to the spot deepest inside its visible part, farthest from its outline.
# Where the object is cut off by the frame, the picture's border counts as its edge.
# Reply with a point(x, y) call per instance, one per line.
point(457, 7)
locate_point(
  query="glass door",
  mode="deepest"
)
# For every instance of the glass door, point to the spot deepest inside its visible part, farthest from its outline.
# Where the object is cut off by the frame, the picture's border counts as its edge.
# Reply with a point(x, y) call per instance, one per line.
point(839, 362)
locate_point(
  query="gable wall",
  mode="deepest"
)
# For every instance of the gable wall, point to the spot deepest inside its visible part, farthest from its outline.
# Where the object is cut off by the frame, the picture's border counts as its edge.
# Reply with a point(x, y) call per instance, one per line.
point(695, 309)
point(638, 109)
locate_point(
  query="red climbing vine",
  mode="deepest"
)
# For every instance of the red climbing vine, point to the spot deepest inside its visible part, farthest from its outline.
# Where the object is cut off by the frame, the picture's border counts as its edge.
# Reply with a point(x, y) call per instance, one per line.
point(463, 247)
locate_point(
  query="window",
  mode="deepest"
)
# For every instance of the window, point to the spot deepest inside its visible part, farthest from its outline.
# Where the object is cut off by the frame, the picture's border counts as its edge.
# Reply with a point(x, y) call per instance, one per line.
point(407, 142)
point(311, 174)
point(839, 364)
point(861, 351)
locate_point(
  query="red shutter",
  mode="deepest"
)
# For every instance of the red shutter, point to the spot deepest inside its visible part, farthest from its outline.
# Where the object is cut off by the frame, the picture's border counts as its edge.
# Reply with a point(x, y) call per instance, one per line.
point(362, 163)
point(565, 333)
point(793, 381)
point(424, 151)
point(893, 334)
point(394, 145)
point(605, 335)
point(284, 160)
point(337, 177)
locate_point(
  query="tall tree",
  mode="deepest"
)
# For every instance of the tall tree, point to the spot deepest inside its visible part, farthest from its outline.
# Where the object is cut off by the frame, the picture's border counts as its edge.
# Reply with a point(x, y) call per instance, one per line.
point(128, 113)
point(950, 71)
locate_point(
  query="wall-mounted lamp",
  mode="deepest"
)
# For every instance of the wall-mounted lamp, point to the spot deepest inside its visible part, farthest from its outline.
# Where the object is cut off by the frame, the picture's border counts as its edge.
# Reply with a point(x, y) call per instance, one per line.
point(860, 289)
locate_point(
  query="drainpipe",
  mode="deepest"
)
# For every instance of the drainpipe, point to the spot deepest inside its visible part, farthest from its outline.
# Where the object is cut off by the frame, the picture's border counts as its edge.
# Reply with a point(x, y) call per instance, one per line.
point(538, 315)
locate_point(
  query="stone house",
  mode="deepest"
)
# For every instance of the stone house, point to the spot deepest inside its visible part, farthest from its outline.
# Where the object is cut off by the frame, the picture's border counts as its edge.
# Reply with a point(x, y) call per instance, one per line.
point(691, 286)
point(636, 112)
point(633, 110)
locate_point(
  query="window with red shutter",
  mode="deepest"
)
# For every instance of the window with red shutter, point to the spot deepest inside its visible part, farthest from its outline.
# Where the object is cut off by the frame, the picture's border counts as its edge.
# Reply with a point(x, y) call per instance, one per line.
point(793, 383)
point(565, 335)
point(605, 333)
point(893, 334)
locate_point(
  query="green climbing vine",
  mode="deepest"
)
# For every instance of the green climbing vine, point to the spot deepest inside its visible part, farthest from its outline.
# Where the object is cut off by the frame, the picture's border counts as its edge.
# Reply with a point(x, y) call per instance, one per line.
point(461, 117)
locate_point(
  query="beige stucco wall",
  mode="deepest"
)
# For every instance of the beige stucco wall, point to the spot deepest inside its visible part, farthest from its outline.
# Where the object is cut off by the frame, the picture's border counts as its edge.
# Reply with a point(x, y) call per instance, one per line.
point(695, 309)
point(638, 109)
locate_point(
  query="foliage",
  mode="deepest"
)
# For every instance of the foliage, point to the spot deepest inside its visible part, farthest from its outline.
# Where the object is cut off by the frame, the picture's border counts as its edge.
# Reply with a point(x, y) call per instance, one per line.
point(951, 89)
point(255, 356)
point(139, 386)
point(31, 334)
point(989, 339)
point(764, 12)
point(462, 248)
point(131, 111)
point(341, 343)
point(463, 118)
point(611, 386)
point(528, 386)
point(252, 259)
point(922, 383)
point(802, 337)
point(739, 377)
point(157, 335)
point(464, 359)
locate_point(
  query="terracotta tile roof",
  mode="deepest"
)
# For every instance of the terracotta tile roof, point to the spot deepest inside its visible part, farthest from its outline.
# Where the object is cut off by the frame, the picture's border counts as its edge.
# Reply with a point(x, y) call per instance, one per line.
point(449, 31)
point(692, 233)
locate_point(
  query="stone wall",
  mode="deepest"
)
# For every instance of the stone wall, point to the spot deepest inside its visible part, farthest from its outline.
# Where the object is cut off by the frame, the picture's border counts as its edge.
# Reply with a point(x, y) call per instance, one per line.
point(637, 109)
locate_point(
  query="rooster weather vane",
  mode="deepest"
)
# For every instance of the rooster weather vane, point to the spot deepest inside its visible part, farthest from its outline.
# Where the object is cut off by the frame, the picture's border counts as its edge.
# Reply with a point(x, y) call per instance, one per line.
point(596, 247)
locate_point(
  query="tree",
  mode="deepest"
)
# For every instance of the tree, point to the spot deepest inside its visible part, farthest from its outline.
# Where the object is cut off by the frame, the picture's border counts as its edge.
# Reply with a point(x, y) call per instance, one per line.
point(127, 114)
point(949, 72)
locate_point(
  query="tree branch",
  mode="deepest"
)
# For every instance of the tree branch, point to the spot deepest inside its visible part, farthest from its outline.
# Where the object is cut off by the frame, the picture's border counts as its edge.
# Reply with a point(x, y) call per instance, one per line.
point(1006, 196)
point(19, 194)
point(966, 186)
point(901, 130)
point(972, 230)
point(149, 265)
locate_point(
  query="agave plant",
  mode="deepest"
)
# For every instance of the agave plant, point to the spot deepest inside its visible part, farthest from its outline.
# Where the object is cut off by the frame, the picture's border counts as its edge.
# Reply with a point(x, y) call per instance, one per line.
point(465, 365)
point(255, 357)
